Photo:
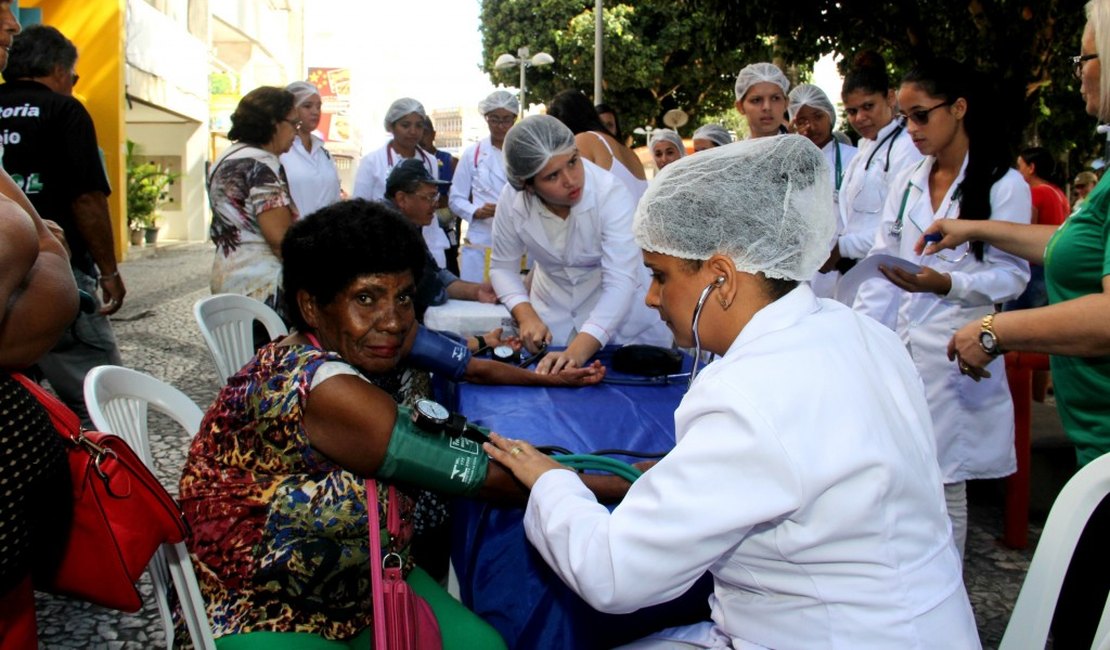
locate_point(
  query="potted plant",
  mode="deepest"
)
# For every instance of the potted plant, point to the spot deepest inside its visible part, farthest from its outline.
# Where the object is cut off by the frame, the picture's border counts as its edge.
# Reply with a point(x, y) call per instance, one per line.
point(147, 186)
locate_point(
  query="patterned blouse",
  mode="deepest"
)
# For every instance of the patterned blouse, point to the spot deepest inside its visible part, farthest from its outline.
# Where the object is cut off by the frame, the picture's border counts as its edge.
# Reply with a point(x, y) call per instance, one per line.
point(279, 532)
point(245, 182)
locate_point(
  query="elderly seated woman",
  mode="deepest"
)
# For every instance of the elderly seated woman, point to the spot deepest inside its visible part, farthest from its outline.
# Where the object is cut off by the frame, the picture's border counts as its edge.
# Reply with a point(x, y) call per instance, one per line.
point(273, 486)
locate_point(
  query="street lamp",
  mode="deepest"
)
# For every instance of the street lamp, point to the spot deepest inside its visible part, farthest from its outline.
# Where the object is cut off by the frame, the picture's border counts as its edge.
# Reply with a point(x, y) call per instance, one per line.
point(524, 61)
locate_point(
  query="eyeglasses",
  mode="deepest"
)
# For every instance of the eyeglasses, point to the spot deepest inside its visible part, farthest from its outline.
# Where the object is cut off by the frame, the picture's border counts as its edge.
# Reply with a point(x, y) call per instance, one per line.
point(295, 123)
point(429, 197)
point(1078, 62)
point(921, 117)
point(500, 121)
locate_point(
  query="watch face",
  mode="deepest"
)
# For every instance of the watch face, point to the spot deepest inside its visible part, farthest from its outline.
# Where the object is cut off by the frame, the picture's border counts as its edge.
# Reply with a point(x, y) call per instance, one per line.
point(432, 410)
point(988, 342)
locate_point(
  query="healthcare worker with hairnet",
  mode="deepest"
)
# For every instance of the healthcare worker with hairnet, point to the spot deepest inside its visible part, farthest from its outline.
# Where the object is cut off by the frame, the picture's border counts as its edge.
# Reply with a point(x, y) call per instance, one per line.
point(479, 179)
point(405, 122)
point(711, 135)
point(885, 151)
point(813, 115)
point(804, 477)
point(313, 176)
point(666, 147)
point(761, 98)
point(574, 221)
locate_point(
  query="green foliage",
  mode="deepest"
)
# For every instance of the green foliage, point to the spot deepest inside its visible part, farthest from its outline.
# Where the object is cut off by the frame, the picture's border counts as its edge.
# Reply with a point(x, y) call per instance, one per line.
point(658, 55)
point(147, 186)
point(1023, 46)
point(663, 54)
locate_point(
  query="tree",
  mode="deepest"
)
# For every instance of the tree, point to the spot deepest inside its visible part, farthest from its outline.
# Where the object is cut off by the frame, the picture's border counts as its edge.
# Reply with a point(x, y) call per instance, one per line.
point(658, 54)
point(685, 54)
point(1023, 46)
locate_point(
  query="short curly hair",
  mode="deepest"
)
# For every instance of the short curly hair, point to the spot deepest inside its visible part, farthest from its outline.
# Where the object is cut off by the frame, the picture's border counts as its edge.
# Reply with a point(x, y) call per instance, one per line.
point(255, 119)
point(326, 251)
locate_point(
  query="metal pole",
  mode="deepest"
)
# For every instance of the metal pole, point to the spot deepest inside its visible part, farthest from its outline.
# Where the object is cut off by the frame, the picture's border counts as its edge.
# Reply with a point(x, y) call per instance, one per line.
point(598, 42)
point(522, 54)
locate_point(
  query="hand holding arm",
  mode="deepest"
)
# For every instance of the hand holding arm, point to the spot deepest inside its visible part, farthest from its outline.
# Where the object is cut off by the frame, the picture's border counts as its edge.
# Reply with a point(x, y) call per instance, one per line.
point(577, 353)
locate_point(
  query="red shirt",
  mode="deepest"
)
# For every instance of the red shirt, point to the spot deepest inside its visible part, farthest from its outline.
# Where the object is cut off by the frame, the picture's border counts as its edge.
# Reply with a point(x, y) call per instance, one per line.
point(1050, 203)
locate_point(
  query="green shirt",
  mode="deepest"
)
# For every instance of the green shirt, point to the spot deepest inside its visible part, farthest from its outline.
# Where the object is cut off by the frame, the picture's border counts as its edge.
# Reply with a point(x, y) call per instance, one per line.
point(1076, 259)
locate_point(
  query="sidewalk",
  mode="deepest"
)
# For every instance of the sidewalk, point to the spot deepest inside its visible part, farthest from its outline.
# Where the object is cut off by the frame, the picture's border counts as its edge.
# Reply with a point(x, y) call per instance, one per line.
point(158, 335)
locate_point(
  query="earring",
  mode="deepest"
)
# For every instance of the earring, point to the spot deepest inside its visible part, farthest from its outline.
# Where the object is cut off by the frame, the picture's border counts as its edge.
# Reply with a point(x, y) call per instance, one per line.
point(724, 303)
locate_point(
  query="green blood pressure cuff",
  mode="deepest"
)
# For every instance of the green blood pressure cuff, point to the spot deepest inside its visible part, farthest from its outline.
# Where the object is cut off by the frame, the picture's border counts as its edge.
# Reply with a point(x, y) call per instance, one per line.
point(433, 461)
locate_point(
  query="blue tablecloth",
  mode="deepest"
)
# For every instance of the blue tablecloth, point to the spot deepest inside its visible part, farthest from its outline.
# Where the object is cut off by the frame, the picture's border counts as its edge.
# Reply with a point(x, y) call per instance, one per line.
point(501, 576)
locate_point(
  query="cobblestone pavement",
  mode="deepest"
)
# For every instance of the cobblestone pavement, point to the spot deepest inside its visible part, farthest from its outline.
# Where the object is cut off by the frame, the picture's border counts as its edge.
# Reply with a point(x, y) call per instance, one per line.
point(158, 335)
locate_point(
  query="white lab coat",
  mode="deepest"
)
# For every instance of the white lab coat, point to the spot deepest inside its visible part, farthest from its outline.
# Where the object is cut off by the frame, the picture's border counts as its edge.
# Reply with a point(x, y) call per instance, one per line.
point(974, 421)
point(824, 284)
point(597, 285)
point(479, 179)
point(313, 177)
point(804, 479)
point(373, 170)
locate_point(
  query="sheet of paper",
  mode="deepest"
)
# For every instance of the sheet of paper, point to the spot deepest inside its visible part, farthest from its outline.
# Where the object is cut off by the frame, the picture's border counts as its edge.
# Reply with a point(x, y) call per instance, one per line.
point(866, 269)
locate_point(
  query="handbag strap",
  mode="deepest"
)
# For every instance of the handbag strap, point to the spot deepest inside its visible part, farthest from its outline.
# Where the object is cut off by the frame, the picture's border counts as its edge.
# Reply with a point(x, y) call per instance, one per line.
point(64, 419)
point(393, 524)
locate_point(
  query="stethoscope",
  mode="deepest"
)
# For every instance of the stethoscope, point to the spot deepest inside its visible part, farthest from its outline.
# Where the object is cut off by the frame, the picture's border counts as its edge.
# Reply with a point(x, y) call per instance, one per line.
point(697, 317)
point(889, 142)
point(895, 229)
point(839, 172)
point(424, 156)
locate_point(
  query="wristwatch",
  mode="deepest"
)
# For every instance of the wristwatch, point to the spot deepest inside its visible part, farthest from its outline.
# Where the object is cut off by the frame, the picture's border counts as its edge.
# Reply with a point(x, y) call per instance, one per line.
point(988, 340)
point(430, 416)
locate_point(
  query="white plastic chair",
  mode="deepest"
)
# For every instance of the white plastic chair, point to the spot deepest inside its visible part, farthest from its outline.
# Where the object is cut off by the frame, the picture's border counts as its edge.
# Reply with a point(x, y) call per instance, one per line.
point(1029, 624)
point(227, 324)
point(118, 400)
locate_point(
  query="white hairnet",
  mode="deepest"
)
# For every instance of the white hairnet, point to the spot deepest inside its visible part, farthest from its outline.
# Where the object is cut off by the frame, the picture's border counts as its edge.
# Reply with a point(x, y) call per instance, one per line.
point(499, 99)
point(400, 108)
point(530, 144)
point(301, 90)
point(715, 133)
point(667, 135)
point(812, 96)
point(766, 203)
point(759, 73)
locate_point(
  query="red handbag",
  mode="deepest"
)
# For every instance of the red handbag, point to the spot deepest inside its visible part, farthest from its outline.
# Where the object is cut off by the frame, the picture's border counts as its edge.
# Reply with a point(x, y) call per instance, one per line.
point(402, 620)
point(121, 513)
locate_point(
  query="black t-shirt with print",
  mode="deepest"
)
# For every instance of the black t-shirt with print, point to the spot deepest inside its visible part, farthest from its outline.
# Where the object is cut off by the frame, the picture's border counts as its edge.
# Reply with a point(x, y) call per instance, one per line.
point(50, 151)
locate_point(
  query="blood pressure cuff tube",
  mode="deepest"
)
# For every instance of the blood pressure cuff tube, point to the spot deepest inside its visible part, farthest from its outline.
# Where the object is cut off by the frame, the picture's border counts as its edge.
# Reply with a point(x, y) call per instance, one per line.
point(433, 461)
point(438, 353)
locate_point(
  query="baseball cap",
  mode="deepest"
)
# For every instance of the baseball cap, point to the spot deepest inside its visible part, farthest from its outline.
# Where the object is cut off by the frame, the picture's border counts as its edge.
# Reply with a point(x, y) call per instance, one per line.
point(407, 173)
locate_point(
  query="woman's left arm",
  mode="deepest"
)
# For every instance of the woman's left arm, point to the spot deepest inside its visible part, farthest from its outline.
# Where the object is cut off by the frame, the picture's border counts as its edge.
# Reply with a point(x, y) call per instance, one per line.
point(1071, 328)
point(621, 261)
point(1000, 277)
point(273, 223)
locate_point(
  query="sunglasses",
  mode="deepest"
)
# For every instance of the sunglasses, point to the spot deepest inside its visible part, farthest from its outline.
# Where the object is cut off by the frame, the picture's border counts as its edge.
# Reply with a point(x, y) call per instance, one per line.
point(921, 117)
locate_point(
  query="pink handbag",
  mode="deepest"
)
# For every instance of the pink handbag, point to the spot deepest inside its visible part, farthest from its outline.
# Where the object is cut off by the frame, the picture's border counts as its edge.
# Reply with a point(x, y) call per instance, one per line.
point(402, 620)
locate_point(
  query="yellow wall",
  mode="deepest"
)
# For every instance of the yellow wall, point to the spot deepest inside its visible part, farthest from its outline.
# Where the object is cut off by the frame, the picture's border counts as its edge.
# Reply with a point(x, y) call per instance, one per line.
point(97, 29)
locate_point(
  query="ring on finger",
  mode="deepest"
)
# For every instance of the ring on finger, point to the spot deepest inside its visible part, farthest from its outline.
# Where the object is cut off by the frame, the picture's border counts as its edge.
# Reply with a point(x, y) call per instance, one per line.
point(515, 451)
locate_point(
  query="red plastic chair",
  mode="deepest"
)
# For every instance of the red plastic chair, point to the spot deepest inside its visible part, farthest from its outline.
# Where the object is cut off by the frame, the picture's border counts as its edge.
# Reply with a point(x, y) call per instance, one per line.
point(1019, 373)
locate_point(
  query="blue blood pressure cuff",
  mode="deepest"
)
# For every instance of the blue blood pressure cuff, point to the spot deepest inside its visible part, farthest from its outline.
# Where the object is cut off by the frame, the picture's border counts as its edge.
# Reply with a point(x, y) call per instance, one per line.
point(436, 352)
point(433, 459)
